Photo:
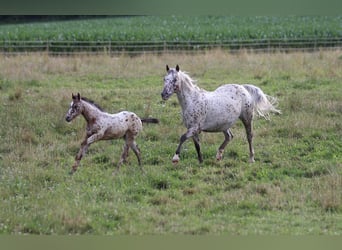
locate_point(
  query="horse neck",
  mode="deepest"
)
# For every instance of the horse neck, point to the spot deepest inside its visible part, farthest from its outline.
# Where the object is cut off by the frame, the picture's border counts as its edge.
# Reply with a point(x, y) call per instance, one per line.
point(188, 91)
point(90, 112)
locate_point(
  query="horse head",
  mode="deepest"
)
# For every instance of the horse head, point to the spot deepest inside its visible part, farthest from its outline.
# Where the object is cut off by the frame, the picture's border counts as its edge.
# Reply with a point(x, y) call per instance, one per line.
point(171, 84)
point(75, 108)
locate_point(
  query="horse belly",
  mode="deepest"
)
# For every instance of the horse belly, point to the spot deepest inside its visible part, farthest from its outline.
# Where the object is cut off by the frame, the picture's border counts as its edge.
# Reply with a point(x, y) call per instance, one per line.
point(222, 113)
point(114, 133)
point(218, 124)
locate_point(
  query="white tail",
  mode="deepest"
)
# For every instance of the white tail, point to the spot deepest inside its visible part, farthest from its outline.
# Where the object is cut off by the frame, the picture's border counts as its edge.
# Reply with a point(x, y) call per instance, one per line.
point(263, 104)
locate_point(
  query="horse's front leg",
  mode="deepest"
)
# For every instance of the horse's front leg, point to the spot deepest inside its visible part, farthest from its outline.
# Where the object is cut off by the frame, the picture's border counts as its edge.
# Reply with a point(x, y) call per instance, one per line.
point(183, 138)
point(196, 140)
point(84, 147)
point(80, 154)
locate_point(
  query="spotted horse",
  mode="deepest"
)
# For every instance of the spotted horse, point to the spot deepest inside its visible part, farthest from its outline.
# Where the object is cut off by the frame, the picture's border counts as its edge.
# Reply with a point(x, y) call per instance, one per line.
point(215, 111)
point(104, 126)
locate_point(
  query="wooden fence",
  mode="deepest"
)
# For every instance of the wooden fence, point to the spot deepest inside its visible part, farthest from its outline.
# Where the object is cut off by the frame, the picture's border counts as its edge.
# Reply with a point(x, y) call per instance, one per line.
point(138, 47)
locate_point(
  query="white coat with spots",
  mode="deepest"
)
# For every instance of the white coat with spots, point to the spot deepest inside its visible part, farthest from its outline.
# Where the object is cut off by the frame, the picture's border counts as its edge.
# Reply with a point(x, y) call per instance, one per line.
point(215, 111)
point(105, 126)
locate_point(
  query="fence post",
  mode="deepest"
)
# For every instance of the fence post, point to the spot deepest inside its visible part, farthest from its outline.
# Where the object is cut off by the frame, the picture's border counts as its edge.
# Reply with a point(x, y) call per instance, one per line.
point(47, 47)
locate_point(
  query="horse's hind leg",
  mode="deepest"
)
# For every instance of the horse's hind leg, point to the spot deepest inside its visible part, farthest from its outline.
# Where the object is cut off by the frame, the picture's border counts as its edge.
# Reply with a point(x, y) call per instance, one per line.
point(249, 131)
point(136, 151)
point(130, 143)
point(124, 154)
point(228, 136)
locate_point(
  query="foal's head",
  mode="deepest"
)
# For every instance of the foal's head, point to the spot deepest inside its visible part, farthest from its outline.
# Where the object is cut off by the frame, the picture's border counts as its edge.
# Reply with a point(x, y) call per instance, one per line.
point(171, 83)
point(75, 108)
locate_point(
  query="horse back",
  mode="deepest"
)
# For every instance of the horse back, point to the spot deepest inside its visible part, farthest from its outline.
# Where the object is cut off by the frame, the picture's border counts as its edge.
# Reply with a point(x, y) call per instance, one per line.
point(131, 121)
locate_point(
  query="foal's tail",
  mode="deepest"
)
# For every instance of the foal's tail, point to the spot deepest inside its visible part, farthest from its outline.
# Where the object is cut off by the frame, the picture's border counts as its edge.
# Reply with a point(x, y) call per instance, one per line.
point(263, 104)
point(149, 120)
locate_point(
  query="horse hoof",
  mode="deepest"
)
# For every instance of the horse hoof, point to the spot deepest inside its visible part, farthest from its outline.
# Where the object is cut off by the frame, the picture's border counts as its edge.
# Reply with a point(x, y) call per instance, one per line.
point(175, 160)
point(219, 156)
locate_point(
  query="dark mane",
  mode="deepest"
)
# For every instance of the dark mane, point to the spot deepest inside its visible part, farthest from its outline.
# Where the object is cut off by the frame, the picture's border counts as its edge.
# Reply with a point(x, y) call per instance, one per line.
point(92, 103)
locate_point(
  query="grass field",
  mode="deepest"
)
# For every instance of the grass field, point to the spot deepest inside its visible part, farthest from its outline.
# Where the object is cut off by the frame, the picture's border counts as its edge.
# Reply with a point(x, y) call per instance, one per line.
point(293, 188)
point(175, 28)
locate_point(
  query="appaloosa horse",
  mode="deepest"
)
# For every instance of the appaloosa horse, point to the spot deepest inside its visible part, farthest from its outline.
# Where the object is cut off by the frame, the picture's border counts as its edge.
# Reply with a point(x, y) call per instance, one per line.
point(105, 126)
point(215, 111)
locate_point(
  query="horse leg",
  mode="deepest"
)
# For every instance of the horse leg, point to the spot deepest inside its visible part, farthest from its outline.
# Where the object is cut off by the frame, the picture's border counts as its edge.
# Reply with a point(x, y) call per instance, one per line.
point(84, 147)
point(122, 158)
point(136, 151)
point(80, 154)
point(228, 136)
point(196, 140)
point(124, 154)
point(249, 131)
point(183, 138)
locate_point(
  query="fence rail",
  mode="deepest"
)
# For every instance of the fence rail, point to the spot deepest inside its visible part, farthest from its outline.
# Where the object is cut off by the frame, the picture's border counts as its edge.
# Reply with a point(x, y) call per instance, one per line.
point(136, 47)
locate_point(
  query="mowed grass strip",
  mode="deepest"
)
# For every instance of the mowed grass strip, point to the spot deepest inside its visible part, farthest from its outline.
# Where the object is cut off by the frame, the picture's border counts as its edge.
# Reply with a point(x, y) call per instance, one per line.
point(293, 188)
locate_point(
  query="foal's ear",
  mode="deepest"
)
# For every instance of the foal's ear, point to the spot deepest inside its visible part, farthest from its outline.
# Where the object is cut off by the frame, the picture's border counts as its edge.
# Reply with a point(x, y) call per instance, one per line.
point(167, 68)
point(177, 68)
point(78, 96)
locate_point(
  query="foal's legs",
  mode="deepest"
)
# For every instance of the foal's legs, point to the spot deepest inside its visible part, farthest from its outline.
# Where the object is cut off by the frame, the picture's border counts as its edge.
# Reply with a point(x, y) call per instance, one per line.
point(136, 151)
point(228, 136)
point(124, 154)
point(129, 143)
point(84, 147)
point(81, 152)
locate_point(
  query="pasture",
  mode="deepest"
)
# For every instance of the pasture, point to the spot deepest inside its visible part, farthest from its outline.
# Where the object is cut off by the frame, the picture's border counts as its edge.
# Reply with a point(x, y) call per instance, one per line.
point(293, 188)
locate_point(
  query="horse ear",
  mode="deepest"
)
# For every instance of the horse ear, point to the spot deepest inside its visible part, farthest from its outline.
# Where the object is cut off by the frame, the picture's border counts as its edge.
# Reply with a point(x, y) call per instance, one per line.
point(177, 68)
point(78, 96)
point(73, 96)
point(167, 68)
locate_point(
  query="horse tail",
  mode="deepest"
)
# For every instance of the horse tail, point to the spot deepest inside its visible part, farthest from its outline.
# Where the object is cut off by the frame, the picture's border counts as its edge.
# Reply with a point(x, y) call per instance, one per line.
point(263, 104)
point(149, 120)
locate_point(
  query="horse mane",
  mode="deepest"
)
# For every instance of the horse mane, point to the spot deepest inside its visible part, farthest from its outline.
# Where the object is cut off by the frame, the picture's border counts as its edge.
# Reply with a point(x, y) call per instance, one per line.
point(185, 78)
point(92, 103)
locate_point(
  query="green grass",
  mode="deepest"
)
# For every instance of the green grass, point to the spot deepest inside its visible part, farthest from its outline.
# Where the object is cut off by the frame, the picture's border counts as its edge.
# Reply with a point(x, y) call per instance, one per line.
point(175, 28)
point(169, 33)
point(293, 188)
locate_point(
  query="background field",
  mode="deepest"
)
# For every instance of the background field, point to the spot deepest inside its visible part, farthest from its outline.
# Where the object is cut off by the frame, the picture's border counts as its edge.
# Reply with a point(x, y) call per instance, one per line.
point(293, 188)
point(146, 33)
point(175, 28)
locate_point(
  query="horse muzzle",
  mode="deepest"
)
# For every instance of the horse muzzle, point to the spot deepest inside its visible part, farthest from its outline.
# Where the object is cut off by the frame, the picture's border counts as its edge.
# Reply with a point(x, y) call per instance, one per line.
point(165, 96)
